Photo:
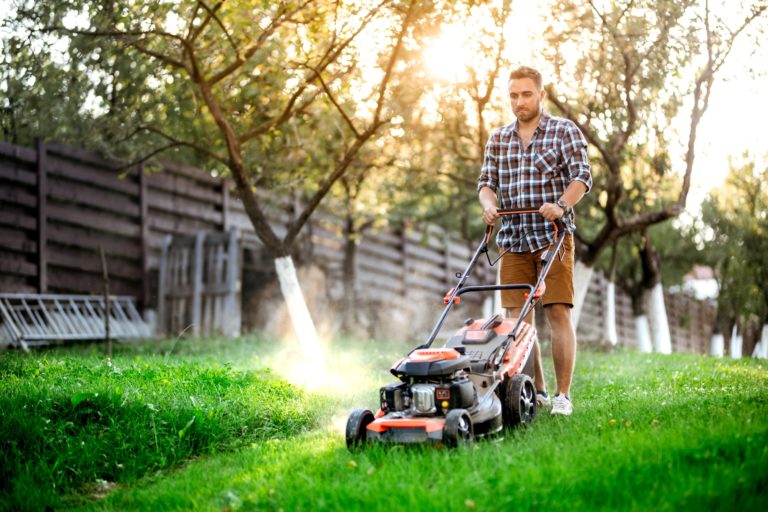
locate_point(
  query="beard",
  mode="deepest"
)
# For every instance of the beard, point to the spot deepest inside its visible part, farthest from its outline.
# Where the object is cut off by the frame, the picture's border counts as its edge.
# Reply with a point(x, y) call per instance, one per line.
point(527, 114)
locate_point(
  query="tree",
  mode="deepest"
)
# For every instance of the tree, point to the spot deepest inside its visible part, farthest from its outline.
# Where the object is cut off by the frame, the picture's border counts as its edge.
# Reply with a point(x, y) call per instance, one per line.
point(627, 64)
point(736, 220)
point(245, 71)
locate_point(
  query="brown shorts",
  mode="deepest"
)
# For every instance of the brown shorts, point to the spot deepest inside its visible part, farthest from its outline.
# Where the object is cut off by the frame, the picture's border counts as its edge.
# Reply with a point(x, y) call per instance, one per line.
point(524, 268)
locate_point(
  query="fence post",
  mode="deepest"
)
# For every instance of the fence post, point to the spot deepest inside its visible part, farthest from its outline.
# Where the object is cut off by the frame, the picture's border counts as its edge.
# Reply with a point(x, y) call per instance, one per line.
point(144, 234)
point(231, 311)
point(224, 205)
point(162, 287)
point(404, 256)
point(197, 284)
point(42, 217)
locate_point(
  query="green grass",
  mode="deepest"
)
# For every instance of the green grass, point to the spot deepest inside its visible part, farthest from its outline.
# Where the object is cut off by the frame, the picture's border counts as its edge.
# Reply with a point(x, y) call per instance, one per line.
point(649, 432)
point(72, 424)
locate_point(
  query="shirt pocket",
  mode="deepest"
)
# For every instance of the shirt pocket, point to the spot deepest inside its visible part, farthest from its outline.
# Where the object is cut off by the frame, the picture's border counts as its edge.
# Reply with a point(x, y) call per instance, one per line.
point(545, 161)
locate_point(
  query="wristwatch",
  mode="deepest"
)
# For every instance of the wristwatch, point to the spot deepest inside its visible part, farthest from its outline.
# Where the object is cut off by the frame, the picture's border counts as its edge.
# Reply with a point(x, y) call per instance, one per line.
point(562, 204)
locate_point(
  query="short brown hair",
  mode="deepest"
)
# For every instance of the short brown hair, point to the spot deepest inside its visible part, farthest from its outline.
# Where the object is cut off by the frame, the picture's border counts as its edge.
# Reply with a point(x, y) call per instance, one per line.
point(526, 72)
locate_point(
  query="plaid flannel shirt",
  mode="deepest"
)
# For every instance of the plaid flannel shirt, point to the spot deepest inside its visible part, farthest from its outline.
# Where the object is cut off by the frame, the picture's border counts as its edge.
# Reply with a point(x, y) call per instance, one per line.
point(528, 177)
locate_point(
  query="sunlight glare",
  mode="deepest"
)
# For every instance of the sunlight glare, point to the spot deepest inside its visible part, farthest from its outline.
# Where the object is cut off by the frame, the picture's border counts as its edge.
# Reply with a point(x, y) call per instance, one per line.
point(447, 57)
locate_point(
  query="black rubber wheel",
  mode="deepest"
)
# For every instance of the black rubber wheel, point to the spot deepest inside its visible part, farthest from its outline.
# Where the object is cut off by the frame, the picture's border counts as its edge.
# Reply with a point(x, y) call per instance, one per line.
point(458, 430)
point(518, 403)
point(356, 428)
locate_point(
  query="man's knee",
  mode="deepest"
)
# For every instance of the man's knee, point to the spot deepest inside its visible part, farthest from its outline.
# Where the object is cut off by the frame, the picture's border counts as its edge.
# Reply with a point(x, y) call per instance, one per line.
point(558, 314)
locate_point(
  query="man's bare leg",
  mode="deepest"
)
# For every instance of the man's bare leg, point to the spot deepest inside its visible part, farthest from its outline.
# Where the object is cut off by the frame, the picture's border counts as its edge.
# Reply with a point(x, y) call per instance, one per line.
point(538, 370)
point(563, 345)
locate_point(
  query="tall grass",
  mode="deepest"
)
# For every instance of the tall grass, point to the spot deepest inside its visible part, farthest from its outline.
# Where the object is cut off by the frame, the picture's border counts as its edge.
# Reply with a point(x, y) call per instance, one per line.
point(73, 423)
point(650, 432)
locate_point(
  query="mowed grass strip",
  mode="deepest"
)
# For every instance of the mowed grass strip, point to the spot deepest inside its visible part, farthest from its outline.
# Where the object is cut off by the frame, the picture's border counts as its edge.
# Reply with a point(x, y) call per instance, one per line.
point(73, 424)
point(650, 432)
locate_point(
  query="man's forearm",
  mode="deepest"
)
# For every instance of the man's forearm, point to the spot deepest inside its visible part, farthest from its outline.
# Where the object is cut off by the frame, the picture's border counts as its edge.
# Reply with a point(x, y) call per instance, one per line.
point(574, 193)
point(487, 198)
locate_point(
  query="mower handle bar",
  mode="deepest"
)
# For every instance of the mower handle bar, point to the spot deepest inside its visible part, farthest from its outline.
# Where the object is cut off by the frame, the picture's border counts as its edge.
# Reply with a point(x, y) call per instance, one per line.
point(482, 248)
point(559, 225)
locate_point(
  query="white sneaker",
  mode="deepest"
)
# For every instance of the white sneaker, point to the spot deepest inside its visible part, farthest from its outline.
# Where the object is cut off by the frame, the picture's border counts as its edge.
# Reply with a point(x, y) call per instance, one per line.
point(543, 400)
point(562, 405)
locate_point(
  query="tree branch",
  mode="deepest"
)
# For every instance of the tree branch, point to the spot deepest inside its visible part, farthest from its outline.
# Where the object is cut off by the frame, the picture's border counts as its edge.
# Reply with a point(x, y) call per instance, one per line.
point(327, 183)
point(393, 58)
point(205, 22)
point(585, 129)
point(335, 103)
point(282, 16)
point(327, 59)
point(149, 156)
point(212, 14)
point(178, 142)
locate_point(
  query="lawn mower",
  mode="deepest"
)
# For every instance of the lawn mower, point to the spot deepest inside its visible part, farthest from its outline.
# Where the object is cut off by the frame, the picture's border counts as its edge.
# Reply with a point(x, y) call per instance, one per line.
point(480, 381)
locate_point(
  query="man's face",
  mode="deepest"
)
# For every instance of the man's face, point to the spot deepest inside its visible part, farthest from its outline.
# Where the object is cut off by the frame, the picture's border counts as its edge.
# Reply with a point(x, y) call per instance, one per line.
point(525, 98)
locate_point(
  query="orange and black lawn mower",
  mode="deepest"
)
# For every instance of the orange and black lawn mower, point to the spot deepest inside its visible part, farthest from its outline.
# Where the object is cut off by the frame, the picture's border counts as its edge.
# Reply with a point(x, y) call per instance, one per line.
point(480, 381)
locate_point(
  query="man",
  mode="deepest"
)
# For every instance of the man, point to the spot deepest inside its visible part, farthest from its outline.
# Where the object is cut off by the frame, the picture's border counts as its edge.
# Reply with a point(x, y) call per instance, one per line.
point(538, 161)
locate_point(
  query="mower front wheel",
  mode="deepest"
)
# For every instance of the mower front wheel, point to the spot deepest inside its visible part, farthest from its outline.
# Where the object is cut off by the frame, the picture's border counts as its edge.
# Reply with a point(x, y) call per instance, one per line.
point(356, 428)
point(518, 404)
point(458, 428)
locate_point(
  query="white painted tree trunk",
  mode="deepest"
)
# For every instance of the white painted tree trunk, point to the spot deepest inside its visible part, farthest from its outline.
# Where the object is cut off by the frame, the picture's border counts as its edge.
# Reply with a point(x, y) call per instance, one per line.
point(298, 311)
point(736, 343)
point(610, 314)
point(582, 276)
point(643, 334)
point(718, 345)
point(657, 314)
point(761, 349)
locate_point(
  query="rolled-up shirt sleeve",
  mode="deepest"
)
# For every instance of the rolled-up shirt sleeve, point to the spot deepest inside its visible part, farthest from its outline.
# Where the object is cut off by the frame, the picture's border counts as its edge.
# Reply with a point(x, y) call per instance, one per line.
point(489, 174)
point(575, 153)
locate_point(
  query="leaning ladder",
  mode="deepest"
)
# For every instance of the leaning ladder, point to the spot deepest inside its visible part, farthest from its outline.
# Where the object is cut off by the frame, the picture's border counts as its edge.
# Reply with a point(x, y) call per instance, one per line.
point(29, 319)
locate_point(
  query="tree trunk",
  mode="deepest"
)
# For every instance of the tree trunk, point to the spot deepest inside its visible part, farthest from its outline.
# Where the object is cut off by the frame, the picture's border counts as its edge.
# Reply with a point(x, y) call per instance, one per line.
point(298, 311)
point(643, 334)
point(718, 345)
point(349, 316)
point(735, 346)
point(582, 277)
point(610, 314)
point(642, 327)
point(657, 313)
point(761, 349)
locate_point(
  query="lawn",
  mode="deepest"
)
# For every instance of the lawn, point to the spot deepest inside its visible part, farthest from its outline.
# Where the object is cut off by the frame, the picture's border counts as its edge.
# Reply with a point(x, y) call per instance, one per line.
point(676, 432)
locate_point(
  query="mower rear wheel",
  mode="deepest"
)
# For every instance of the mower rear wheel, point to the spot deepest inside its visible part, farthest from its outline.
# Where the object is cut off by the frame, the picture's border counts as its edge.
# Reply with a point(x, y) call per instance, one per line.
point(458, 428)
point(518, 404)
point(356, 428)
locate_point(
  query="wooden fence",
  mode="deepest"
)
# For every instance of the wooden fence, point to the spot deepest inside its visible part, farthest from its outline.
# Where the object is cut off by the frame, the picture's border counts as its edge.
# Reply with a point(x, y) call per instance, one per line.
point(59, 204)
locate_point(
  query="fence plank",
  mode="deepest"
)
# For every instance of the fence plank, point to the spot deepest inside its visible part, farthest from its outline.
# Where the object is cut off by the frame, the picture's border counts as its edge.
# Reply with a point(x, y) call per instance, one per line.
point(17, 174)
point(181, 185)
point(66, 192)
point(18, 219)
point(77, 237)
point(87, 218)
point(96, 176)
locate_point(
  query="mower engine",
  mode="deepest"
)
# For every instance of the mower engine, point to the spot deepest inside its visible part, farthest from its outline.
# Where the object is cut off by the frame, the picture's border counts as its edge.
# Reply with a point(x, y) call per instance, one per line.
point(428, 397)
